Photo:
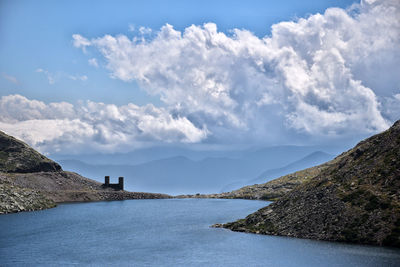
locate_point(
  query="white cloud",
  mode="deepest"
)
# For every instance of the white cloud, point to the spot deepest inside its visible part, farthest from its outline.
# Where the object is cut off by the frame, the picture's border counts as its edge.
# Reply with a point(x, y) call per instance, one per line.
point(325, 75)
point(145, 30)
point(131, 27)
point(142, 30)
point(80, 42)
point(328, 75)
point(391, 106)
point(78, 77)
point(10, 78)
point(52, 78)
point(93, 62)
point(92, 126)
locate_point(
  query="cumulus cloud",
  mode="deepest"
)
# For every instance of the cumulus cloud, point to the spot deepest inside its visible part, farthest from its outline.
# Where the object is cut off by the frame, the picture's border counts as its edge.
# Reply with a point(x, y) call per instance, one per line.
point(325, 75)
point(145, 30)
point(95, 126)
point(79, 41)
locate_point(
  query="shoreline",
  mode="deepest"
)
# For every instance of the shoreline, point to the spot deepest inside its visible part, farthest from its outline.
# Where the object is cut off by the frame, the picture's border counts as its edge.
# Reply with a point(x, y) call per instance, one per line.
point(21, 192)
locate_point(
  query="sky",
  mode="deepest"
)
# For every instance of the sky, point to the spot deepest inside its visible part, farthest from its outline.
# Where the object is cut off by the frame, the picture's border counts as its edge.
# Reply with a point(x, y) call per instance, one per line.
point(114, 76)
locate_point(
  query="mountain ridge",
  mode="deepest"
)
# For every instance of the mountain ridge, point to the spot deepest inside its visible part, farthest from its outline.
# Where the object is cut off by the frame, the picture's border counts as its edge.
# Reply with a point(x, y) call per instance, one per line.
point(180, 174)
point(313, 159)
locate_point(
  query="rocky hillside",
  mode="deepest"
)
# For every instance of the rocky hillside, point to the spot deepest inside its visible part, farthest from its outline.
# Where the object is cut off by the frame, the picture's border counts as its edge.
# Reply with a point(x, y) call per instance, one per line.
point(16, 156)
point(271, 190)
point(355, 198)
point(30, 181)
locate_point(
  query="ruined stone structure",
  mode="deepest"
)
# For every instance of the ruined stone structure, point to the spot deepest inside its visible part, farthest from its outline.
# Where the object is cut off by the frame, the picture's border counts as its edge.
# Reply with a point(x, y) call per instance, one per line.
point(119, 186)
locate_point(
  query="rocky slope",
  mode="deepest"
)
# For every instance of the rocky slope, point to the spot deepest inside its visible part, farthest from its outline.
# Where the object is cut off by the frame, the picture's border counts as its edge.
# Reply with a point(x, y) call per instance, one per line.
point(16, 156)
point(271, 190)
point(14, 199)
point(354, 198)
point(30, 181)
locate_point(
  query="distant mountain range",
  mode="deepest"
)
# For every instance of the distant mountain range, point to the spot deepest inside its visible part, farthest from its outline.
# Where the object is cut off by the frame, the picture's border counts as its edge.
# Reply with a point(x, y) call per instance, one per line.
point(310, 160)
point(197, 171)
point(145, 155)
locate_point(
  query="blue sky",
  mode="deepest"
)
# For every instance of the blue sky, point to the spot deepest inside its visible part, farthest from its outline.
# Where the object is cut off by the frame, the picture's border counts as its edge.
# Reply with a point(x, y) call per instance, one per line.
point(117, 75)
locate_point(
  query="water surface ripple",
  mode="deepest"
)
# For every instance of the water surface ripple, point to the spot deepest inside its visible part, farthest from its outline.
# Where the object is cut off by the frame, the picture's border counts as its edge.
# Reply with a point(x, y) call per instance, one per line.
point(173, 232)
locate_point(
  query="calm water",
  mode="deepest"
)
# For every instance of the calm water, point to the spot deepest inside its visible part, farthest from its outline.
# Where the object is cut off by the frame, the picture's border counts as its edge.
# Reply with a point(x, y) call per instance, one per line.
point(164, 233)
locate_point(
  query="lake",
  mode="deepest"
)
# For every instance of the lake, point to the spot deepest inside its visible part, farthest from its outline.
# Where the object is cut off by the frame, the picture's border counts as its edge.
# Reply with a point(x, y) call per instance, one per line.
point(173, 232)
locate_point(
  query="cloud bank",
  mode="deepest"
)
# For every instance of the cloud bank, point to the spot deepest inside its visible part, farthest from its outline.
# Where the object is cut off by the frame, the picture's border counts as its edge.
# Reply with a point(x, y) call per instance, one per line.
point(323, 75)
point(329, 75)
point(67, 128)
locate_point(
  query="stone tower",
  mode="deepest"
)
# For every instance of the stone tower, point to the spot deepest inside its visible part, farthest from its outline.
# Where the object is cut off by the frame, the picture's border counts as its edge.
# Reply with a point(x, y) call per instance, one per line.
point(121, 183)
point(119, 186)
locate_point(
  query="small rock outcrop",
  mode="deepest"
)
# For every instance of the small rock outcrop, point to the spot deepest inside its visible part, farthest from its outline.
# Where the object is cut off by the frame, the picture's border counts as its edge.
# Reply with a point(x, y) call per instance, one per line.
point(354, 198)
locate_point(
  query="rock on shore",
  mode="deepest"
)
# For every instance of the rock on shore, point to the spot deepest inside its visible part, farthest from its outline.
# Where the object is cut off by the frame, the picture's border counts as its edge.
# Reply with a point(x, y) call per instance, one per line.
point(15, 199)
